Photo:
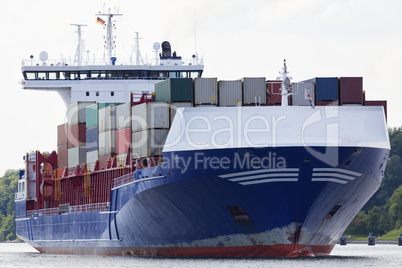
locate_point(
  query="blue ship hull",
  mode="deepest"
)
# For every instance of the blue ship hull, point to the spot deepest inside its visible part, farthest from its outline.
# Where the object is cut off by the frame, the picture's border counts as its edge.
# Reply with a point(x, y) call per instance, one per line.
point(257, 202)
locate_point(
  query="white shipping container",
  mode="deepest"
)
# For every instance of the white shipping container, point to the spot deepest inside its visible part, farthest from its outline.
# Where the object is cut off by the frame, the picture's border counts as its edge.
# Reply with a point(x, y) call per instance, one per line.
point(121, 160)
point(254, 91)
point(76, 156)
point(76, 113)
point(230, 93)
point(107, 118)
point(92, 157)
point(149, 142)
point(174, 106)
point(150, 115)
point(301, 91)
point(123, 116)
point(107, 142)
point(205, 91)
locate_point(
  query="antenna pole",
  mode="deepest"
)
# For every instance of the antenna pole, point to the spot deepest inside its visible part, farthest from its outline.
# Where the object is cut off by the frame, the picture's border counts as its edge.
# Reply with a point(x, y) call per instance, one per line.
point(109, 33)
point(80, 45)
point(138, 57)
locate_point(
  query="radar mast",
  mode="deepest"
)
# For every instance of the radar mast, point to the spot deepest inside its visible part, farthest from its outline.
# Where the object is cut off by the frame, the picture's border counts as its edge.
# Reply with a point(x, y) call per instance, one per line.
point(110, 43)
point(80, 45)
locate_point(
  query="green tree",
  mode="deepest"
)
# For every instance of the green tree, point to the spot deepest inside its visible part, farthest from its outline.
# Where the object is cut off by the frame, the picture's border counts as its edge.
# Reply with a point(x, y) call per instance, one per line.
point(395, 208)
point(358, 226)
point(373, 220)
point(8, 187)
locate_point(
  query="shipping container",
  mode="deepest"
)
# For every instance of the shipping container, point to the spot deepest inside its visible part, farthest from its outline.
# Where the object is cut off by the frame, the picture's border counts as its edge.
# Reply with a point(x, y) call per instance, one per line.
point(326, 89)
point(62, 155)
point(121, 160)
point(76, 156)
point(76, 135)
point(123, 140)
point(92, 115)
point(205, 91)
point(382, 103)
point(175, 105)
point(92, 157)
point(274, 92)
point(148, 142)
point(174, 90)
point(107, 142)
point(123, 116)
point(92, 139)
point(62, 134)
point(107, 118)
point(150, 115)
point(303, 93)
point(254, 91)
point(76, 113)
point(351, 90)
point(230, 93)
point(106, 161)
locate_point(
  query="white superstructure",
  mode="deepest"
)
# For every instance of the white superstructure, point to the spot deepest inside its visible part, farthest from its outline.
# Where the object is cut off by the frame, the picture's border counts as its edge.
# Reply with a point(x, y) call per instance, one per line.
point(110, 79)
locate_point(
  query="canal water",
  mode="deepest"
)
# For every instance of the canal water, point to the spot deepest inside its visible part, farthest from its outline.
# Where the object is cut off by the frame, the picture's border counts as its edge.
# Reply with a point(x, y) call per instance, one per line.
point(351, 255)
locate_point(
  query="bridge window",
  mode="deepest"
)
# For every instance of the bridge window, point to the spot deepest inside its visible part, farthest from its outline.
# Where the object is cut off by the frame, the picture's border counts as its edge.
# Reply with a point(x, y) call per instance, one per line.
point(30, 76)
point(42, 76)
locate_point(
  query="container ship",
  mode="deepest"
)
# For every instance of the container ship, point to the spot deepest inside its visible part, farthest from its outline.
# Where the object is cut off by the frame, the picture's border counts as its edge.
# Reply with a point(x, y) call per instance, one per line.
point(156, 160)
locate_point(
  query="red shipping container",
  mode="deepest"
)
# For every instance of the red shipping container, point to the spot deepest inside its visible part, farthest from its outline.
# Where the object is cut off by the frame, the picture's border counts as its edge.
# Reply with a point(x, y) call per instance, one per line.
point(382, 103)
point(76, 135)
point(103, 161)
point(123, 140)
point(351, 90)
point(62, 155)
point(275, 96)
point(62, 134)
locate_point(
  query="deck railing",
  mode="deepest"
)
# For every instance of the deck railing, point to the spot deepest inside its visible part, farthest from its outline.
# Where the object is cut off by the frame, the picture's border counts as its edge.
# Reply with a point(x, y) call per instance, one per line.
point(123, 179)
point(71, 209)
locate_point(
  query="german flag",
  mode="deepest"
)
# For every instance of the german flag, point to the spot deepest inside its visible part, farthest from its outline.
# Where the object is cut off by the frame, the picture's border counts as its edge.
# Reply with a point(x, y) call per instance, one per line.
point(100, 21)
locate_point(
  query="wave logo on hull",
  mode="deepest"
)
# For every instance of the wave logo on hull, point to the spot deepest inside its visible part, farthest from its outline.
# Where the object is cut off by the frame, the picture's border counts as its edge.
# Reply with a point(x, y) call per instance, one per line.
point(336, 175)
point(263, 176)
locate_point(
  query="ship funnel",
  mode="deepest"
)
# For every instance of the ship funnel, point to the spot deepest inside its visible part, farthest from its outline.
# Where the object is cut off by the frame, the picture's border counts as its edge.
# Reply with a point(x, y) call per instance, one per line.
point(166, 50)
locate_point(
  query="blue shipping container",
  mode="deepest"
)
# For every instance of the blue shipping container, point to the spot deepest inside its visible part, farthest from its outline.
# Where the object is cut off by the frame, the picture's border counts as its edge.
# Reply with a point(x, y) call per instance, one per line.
point(92, 139)
point(326, 89)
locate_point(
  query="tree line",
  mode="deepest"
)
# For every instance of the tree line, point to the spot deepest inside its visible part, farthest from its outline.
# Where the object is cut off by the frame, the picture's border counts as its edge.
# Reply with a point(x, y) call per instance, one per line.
point(383, 212)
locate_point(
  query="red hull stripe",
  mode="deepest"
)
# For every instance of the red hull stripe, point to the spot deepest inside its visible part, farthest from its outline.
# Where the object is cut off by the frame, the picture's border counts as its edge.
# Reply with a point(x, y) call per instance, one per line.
point(222, 252)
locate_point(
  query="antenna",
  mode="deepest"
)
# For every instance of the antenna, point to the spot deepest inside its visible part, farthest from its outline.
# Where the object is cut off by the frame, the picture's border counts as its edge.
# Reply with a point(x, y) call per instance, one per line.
point(138, 58)
point(110, 43)
point(285, 84)
point(80, 45)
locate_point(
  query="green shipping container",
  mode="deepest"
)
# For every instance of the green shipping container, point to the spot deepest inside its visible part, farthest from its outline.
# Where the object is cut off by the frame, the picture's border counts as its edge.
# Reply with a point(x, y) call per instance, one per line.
point(174, 90)
point(92, 115)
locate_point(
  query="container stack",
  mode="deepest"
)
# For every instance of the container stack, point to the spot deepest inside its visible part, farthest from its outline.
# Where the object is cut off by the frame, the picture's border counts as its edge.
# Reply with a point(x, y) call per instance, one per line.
point(205, 92)
point(174, 90)
point(76, 133)
point(92, 132)
point(123, 133)
point(107, 134)
point(230, 93)
point(274, 91)
point(176, 105)
point(150, 126)
point(351, 91)
point(62, 150)
point(303, 94)
point(254, 91)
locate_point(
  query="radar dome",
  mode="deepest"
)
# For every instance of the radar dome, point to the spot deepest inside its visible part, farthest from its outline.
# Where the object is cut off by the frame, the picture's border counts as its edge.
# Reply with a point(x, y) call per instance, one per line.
point(43, 56)
point(157, 46)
